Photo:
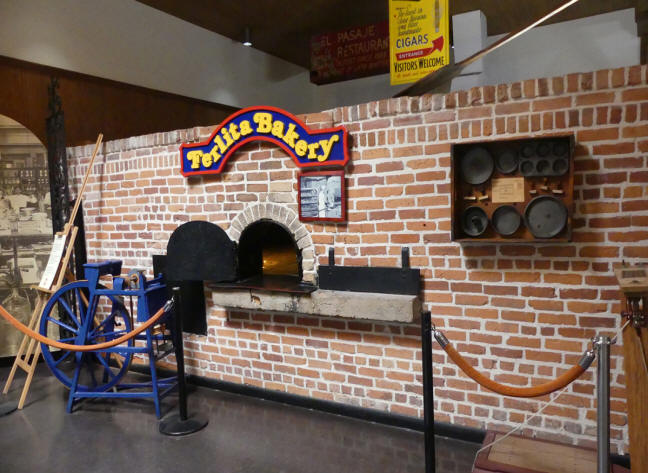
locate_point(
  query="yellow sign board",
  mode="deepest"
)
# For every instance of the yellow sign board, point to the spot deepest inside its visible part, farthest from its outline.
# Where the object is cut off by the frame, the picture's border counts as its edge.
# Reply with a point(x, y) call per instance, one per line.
point(419, 40)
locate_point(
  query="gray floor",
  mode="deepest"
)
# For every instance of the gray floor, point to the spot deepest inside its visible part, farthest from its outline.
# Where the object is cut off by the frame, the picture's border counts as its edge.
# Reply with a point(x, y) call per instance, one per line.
point(244, 435)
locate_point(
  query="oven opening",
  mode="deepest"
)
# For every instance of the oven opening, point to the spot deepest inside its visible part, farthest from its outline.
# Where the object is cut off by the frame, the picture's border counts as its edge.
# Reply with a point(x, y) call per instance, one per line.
point(267, 248)
point(269, 258)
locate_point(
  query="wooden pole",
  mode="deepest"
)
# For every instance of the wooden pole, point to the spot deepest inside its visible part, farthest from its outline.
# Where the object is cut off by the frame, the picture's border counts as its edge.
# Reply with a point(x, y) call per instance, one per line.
point(85, 181)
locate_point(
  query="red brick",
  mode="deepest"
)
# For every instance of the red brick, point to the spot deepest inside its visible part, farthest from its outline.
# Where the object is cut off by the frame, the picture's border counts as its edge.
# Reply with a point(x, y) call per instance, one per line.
point(599, 251)
point(595, 98)
point(635, 95)
point(376, 124)
point(475, 112)
point(544, 304)
point(512, 108)
point(616, 148)
point(518, 316)
point(599, 207)
point(563, 278)
point(557, 319)
point(599, 134)
point(586, 307)
point(484, 276)
point(522, 277)
point(564, 345)
point(552, 104)
point(532, 291)
point(635, 131)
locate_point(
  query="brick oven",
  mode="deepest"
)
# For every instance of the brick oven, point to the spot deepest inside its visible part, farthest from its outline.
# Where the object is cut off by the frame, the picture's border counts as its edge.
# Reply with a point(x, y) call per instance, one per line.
point(523, 311)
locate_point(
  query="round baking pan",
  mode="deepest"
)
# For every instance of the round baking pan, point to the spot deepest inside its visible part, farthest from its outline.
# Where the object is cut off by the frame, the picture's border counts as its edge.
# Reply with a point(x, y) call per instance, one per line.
point(543, 149)
point(560, 148)
point(474, 221)
point(506, 161)
point(528, 150)
point(506, 220)
point(476, 165)
point(560, 166)
point(527, 167)
point(545, 216)
point(543, 167)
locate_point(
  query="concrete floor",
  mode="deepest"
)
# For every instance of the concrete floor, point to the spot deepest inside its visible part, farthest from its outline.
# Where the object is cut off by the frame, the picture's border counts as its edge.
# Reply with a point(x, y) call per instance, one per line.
point(244, 435)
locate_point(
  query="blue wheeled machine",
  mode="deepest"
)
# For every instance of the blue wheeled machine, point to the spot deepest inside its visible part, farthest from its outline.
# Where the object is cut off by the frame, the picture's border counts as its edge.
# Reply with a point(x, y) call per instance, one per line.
point(87, 313)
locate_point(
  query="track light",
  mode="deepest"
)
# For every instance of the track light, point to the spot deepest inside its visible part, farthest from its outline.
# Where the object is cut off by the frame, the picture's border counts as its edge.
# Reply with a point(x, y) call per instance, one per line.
point(246, 37)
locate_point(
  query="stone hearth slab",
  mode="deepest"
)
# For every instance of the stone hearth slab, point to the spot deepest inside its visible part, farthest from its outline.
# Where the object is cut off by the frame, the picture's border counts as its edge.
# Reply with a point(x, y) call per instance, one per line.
point(353, 305)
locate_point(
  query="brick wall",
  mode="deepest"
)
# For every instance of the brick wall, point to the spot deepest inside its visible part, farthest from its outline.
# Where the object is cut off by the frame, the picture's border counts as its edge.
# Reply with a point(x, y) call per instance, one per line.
point(521, 312)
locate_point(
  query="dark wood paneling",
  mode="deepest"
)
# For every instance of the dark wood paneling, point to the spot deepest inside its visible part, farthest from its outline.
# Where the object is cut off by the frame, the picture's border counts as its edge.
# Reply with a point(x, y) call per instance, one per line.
point(93, 105)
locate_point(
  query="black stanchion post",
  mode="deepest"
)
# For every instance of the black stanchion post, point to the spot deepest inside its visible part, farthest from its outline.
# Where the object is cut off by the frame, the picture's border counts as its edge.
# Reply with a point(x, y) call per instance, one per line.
point(428, 391)
point(180, 424)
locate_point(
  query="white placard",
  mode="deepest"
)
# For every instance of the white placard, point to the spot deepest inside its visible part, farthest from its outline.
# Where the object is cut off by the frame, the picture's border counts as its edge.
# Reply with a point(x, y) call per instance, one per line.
point(53, 263)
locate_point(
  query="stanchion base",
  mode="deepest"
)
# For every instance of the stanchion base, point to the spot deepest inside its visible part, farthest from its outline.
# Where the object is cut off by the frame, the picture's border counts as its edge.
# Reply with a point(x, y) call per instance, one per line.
point(7, 408)
point(175, 426)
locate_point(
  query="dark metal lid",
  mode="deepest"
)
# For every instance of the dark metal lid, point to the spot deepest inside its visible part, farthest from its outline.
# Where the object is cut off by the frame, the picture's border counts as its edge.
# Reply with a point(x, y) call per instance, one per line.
point(477, 165)
point(474, 221)
point(506, 161)
point(506, 220)
point(200, 251)
point(545, 216)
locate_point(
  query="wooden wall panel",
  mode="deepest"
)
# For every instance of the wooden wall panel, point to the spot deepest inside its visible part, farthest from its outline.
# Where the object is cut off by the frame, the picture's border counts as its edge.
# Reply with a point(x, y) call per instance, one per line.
point(92, 105)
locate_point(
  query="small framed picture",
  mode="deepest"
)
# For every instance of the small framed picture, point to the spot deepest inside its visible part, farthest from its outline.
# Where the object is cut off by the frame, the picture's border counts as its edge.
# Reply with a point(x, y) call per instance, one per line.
point(322, 196)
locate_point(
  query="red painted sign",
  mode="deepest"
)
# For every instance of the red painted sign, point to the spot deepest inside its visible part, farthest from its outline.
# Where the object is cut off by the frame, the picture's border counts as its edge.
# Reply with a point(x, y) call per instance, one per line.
point(350, 54)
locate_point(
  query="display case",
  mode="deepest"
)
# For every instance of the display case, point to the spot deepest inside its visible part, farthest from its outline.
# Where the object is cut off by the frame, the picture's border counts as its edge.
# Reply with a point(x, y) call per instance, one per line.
point(513, 190)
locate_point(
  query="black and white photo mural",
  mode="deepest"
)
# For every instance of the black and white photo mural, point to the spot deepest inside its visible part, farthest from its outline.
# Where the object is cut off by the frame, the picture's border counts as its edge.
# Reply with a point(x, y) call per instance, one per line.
point(322, 196)
point(25, 225)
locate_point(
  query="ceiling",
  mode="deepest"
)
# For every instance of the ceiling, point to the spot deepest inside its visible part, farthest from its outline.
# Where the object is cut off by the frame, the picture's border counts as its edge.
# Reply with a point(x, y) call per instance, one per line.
point(283, 28)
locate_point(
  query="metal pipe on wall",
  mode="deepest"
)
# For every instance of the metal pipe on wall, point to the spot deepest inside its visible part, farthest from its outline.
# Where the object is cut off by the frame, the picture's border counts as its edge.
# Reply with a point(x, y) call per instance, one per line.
point(602, 345)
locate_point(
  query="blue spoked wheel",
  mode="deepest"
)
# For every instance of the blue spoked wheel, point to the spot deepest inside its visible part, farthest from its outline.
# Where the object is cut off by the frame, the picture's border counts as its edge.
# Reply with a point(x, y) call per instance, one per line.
point(68, 319)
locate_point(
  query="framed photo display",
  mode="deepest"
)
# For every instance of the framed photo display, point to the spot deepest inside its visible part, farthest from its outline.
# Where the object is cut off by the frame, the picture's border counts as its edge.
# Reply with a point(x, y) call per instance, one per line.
point(322, 196)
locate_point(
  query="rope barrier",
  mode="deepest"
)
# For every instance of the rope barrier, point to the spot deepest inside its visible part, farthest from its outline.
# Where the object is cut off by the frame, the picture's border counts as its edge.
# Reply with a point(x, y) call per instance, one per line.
point(514, 391)
point(84, 348)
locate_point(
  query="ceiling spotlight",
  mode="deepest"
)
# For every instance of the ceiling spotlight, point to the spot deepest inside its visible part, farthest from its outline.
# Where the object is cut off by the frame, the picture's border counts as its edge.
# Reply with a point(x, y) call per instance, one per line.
point(246, 37)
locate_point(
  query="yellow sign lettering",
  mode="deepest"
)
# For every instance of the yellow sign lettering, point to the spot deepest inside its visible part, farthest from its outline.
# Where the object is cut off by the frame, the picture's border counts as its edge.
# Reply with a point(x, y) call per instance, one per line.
point(246, 129)
point(228, 138)
point(311, 150)
point(221, 146)
point(327, 146)
point(277, 129)
point(194, 157)
point(207, 160)
point(291, 135)
point(264, 120)
point(233, 129)
point(300, 148)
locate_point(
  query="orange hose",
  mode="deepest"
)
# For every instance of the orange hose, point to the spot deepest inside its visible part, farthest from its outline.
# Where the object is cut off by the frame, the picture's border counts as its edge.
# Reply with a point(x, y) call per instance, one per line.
point(515, 391)
point(66, 346)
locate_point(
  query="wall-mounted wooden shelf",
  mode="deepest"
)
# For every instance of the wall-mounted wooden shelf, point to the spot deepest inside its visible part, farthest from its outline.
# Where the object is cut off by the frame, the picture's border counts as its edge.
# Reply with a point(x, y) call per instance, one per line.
point(495, 184)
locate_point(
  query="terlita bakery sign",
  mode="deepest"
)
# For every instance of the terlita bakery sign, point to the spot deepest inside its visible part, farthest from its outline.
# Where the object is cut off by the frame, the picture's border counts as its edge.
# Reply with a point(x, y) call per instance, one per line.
point(308, 148)
point(418, 38)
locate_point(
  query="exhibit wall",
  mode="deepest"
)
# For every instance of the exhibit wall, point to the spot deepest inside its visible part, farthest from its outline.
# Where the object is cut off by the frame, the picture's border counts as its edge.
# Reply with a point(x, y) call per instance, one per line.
point(521, 312)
